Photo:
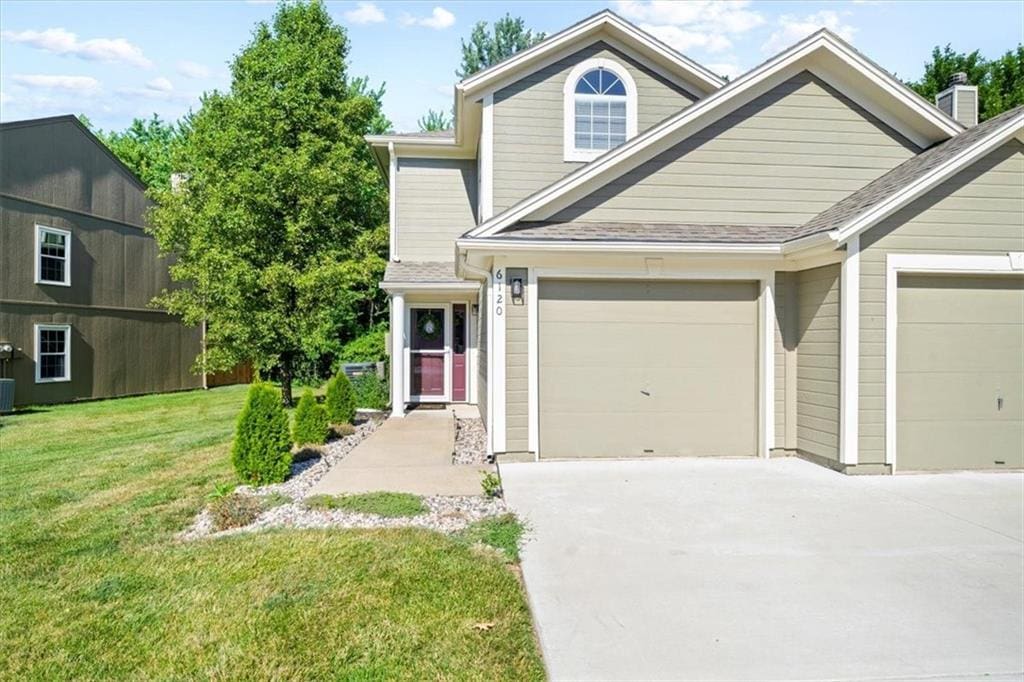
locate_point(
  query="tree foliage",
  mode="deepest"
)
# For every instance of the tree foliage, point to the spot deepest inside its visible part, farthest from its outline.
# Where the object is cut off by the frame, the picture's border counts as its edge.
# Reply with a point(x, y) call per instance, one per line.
point(435, 120)
point(147, 147)
point(276, 231)
point(1000, 82)
point(486, 48)
point(261, 452)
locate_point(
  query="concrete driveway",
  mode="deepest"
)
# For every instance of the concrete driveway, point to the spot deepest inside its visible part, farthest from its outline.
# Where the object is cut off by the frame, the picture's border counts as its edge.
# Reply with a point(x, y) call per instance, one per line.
point(751, 569)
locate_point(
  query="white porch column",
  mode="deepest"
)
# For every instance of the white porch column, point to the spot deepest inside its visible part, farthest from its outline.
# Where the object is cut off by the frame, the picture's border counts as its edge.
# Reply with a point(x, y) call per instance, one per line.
point(849, 352)
point(397, 354)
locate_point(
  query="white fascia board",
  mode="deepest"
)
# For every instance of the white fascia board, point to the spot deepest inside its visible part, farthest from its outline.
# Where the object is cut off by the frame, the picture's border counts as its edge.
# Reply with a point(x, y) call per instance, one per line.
point(469, 244)
point(440, 287)
point(713, 107)
point(605, 19)
point(933, 178)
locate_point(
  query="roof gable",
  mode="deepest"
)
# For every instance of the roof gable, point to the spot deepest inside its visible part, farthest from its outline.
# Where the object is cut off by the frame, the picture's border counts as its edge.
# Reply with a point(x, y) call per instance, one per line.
point(825, 55)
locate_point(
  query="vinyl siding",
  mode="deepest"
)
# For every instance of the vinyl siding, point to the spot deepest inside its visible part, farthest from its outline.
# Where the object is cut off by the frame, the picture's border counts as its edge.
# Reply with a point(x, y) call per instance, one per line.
point(516, 363)
point(778, 160)
point(528, 122)
point(945, 103)
point(967, 107)
point(817, 375)
point(978, 211)
point(436, 203)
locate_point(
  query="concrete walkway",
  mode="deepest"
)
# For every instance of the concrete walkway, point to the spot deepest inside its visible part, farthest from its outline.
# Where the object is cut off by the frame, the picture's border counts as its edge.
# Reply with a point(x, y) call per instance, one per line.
point(412, 454)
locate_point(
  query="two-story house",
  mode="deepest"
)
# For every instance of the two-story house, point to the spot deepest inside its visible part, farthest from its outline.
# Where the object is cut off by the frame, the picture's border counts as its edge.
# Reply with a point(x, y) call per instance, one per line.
point(615, 253)
point(78, 273)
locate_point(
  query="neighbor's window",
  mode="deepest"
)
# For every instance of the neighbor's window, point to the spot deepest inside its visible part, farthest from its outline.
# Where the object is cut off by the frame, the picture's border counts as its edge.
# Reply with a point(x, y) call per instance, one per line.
point(53, 352)
point(600, 104)
point(53, 256)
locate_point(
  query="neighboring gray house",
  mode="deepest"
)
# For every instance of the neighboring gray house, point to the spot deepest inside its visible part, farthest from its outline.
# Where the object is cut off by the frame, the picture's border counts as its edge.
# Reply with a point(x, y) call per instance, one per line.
point(77, 273)
point(615, 253)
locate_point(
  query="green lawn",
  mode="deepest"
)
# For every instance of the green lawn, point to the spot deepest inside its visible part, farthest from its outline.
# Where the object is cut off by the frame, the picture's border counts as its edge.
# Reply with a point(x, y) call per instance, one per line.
point(94, 585)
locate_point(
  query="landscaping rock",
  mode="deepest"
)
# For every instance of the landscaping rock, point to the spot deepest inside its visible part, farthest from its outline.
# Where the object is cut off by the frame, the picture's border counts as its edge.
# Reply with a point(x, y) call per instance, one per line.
point(470, 442)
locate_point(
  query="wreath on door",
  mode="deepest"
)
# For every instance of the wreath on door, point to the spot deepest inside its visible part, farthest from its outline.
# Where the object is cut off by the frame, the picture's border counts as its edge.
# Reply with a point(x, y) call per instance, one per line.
point(429, 326)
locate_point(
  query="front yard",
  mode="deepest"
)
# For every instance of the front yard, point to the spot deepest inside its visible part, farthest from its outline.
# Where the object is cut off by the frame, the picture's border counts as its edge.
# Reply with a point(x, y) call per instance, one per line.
point(95, 584)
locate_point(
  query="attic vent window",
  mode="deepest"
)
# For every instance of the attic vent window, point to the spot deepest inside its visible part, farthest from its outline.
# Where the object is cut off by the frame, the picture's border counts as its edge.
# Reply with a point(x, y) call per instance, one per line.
point(600, 109)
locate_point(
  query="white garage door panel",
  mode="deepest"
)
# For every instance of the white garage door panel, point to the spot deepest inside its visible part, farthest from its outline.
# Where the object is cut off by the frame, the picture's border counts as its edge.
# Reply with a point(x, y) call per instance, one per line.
point(640, 368)
point(960, 348)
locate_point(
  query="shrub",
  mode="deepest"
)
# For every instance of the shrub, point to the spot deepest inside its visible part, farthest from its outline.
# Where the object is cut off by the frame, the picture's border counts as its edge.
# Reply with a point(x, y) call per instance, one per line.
point(220, 491)
point(381, 503)
point(366, 348)
point(340, 401)
point(371, 391)
point(342, 430)
point(262, 449)
point(491, 484)
point(235, 510)
point(310, 427)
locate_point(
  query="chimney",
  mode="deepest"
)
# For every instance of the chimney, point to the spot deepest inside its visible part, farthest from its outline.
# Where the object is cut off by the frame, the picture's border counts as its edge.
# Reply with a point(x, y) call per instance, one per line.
point(959, 100)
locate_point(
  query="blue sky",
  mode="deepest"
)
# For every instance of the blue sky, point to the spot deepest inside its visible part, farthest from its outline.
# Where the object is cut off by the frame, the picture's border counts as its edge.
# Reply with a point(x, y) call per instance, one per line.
point(114, 61)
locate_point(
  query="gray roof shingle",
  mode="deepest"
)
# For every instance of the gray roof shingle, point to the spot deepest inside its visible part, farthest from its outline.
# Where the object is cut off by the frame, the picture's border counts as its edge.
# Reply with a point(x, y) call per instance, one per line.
point(647, 232)
point(420, 272)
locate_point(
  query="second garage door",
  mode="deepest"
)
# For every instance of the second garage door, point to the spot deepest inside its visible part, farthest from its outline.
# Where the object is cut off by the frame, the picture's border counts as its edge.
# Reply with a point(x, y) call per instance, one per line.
point(960, 372)
point(655, 368)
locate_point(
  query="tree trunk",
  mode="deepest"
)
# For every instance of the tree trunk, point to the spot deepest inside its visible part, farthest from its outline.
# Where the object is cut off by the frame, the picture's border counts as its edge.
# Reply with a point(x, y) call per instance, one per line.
point(286, 380)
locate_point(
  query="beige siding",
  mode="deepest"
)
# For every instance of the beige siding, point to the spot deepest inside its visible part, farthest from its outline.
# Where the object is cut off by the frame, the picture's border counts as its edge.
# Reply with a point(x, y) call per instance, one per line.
point(980, 210)
point(967, 107)
point(945, 103)
point(779, 160)
point(436, 202)
point(817, 376)
point(516, 363)
point(528, 122)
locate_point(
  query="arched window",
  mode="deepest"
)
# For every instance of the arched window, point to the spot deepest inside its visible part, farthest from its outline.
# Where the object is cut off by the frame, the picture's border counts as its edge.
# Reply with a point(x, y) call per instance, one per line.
point(600, 103)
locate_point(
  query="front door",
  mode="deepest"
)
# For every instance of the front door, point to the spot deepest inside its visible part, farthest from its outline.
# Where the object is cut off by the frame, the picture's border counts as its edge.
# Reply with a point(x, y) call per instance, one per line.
point(427, 354)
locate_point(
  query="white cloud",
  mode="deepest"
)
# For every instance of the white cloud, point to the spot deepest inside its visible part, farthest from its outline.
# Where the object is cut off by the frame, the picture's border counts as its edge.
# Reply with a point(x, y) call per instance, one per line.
point(63, 42)
point(192, 69)
point(51, 82)
point(160, 84)
point(365, 13)
point(791, 29)
point(728, 69)
point(702, 24)
point(439, 18)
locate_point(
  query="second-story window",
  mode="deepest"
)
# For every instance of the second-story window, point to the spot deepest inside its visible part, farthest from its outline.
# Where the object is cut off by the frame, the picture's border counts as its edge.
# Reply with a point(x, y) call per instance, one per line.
point(53, 256)
point(600, 108)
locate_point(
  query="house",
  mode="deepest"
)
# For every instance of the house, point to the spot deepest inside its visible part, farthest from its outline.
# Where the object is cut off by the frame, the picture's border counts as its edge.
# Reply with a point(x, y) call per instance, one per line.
point(77, 273)
point(615, 253)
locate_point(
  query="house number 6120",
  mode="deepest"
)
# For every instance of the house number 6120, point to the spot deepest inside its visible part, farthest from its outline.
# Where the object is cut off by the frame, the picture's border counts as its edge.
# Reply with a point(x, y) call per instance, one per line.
point(499, 295)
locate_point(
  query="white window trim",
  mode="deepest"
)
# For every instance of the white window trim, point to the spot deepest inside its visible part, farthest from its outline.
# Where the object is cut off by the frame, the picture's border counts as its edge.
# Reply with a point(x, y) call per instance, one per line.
point(66, 328)
point(765, 345)
point(929, 263)
point(571, 153)
point(40, 230)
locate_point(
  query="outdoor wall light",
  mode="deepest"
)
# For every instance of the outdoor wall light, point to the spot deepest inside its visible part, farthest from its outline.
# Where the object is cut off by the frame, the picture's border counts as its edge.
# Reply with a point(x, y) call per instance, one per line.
point(517, 290)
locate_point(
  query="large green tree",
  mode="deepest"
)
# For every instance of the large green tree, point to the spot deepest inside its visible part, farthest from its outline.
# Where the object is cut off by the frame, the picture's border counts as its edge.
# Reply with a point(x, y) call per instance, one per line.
point(485, 48)
point(434, 120)
point(1000, 82)
point(146, 146)
point(275, 229)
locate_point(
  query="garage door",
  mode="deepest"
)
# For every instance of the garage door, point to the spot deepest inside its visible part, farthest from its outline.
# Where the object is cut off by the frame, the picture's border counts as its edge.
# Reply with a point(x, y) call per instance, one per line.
point(960, 373)
point(633, 368)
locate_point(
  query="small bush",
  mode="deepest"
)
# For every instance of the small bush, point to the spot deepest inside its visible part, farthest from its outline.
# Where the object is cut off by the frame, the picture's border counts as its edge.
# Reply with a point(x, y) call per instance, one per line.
point(235, 510)
point(504, 533)
point(371, 391)
point(491, 484)
point(261, 452)
point(340, 401)
point(310, 427)
point(382, 503)
point(342, 430)
point(220, 491)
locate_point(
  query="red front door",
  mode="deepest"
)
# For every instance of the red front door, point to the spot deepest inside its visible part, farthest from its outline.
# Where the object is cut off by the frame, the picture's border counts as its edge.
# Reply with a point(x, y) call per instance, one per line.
point(459, 329)
point(426, 353)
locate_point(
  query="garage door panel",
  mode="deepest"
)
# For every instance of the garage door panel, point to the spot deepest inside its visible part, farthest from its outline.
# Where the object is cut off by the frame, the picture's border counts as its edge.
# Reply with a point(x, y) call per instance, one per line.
point(647, 368)
point(960, 348)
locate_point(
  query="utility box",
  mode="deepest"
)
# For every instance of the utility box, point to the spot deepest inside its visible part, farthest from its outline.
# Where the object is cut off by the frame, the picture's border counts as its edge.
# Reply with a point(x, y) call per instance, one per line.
point(6, 395)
